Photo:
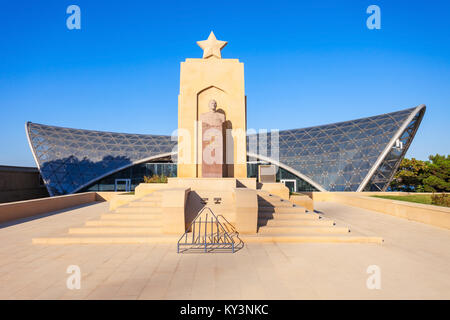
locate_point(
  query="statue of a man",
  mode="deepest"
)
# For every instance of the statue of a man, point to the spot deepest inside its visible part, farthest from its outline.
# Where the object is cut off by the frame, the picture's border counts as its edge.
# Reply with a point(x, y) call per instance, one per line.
point(212, 117)
point(212, 141)
point(212, 105)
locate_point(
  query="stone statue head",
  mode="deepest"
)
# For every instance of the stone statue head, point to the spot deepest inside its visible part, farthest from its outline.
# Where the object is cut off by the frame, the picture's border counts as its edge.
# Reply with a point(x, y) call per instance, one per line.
point(212, 105)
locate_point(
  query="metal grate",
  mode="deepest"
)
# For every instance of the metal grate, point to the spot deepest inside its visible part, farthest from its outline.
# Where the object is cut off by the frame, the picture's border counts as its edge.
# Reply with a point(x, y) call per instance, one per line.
point(206, 234)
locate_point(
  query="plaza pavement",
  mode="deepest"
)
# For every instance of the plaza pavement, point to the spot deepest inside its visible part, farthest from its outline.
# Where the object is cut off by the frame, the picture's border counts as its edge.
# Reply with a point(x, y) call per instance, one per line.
point(414, 262)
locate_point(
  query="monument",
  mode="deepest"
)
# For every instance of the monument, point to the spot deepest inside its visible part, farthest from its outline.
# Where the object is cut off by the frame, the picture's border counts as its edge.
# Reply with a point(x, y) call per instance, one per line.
point(212, 142)
point(203, 80)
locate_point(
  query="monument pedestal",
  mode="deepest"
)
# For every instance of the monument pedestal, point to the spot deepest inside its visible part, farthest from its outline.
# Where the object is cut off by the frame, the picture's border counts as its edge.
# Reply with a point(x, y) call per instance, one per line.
point(212, 139)
point(233, 200)
point(202, 80)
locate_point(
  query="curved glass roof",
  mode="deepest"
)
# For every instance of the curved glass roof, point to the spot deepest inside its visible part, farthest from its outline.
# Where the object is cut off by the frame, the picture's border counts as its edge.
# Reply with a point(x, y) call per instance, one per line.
point(341, 156)
point(347, 156)
point(69, 159)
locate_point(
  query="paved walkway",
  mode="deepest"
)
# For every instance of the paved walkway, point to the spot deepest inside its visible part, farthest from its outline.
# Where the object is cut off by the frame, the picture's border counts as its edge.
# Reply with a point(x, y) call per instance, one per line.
point(414, 263)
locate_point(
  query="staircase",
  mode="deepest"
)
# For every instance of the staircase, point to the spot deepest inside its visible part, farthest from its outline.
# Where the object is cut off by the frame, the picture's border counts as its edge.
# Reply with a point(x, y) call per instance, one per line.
point(136, 222)
point(279, 220)
point(140, 222)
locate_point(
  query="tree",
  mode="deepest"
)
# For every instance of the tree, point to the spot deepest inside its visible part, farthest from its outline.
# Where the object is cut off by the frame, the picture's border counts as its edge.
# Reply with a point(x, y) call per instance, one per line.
point(409, 175)
point(439, 174)
point(423, 176)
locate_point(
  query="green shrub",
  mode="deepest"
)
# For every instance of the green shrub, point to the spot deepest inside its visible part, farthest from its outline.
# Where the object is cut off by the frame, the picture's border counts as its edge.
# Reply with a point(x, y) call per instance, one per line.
point(155, 179)
point(442, 199)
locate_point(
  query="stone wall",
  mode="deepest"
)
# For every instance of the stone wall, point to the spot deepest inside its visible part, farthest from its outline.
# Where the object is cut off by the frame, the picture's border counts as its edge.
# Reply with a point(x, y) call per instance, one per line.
point(20, 183)
point(429, 214)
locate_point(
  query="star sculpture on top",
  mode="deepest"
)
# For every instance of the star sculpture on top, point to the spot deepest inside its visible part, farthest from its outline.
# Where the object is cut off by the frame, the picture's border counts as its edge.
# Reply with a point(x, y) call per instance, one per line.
point(211, 47)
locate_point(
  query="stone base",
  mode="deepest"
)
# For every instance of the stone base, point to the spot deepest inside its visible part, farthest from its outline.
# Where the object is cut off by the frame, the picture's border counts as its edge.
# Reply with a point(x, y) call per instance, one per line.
point(276, 188)
point(302, 200)
point(234, 200)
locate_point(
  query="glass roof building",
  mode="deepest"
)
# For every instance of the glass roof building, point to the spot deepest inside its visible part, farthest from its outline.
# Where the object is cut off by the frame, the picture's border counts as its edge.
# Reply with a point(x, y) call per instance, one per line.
point(357, 155)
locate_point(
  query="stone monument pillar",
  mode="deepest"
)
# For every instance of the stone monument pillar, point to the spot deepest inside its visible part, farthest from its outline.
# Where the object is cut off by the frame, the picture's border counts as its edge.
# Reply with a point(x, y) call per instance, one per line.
point(212, 163)
point(202, 80)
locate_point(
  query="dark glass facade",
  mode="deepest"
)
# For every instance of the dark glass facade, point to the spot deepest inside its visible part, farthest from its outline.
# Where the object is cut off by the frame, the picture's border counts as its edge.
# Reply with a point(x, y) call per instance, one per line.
point(135, 174)
point(284, 175)
point(355, 155)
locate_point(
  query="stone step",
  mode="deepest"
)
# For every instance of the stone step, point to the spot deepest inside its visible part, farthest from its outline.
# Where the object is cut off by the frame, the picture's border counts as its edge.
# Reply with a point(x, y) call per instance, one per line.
point(298, 222)
point(146, 204)
point(276, 215)
point(300, 238)
point(116, 230)
point(154, 194)
point(282, 209)
point(269, 196)
point(270, 199)
point(138, 210)
point(151, 198)
point(265, 193)
point(275, 204)
point(132, 216)
point(170, 239)
point(303, 230)
point(123, 223)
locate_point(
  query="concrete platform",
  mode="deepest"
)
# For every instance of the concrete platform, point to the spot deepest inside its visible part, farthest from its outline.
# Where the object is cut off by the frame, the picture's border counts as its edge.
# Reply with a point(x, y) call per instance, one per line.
point(414, 262)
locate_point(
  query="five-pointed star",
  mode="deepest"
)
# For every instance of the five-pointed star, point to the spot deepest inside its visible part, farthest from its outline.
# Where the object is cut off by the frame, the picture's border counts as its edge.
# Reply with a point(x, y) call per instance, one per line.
point(212, 46)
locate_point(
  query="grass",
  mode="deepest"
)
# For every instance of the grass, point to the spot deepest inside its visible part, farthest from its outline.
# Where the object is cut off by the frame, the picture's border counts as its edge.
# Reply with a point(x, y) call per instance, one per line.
point(417, 198)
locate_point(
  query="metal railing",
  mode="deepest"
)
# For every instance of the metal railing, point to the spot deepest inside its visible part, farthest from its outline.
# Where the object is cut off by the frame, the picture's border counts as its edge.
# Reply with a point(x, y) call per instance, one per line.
point(206, 235)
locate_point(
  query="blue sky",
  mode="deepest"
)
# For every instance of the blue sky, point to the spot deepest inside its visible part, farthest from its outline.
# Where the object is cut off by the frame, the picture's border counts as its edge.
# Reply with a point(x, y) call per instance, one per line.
point(306, 64)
